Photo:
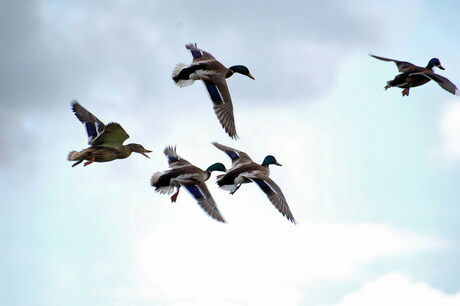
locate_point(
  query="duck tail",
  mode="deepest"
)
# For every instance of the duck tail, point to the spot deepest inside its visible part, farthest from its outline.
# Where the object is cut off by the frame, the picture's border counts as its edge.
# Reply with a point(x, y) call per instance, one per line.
point(155, 177)
point(74, 155)
point(157, 181)
point(229, 188)
point(176, 76)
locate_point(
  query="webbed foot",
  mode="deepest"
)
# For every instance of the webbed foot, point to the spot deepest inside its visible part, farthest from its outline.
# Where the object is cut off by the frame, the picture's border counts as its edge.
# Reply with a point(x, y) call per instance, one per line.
point(78, 162)
point(174, 196)
point(90, 161)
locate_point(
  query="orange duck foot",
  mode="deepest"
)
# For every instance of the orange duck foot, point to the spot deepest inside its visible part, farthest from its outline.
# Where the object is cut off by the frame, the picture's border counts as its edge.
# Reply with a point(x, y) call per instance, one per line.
point(174, 196)
point(78, 162)
point(89, 161)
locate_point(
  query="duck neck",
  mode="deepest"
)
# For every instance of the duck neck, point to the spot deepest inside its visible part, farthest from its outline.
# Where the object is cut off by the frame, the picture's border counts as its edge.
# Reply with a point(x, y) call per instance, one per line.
point(266, 169)
point(229, 73)
point(125, 151)
point(430, 66)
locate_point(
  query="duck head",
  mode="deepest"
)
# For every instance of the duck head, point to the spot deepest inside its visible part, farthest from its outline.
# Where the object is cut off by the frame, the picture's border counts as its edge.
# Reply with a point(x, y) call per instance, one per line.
point(139, 149)
point(216, 167)
point(242, 70)
point(434, 62)
point(270, 160)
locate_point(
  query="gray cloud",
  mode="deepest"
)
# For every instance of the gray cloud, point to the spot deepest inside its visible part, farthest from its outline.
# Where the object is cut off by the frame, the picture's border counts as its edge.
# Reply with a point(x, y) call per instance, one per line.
point(56, 50)
point(113, 53)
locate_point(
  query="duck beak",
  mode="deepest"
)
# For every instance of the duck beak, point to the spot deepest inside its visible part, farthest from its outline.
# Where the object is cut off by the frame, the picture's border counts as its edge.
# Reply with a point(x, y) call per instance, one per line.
point(441, 67)
point(278, 164)
point(250, 76)
point(146, 151)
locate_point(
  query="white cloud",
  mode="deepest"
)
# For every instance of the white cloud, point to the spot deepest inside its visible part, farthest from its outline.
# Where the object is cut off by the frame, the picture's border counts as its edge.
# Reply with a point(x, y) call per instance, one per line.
point(265, 264)
point(450, 130)
point(398, 289)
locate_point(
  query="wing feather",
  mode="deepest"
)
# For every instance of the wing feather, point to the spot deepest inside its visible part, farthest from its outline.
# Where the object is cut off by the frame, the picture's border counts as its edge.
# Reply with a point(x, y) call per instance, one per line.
point(223, 106)
point(202, 195)
point(197, 53)
point(274, 194)
point(442, 81)
point(94, 126)
point(402, 66)
point(174, 160)
point(238, 157)
point(113, 136)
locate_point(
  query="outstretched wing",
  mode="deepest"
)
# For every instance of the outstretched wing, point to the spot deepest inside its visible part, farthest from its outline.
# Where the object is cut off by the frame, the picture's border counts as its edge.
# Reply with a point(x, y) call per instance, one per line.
point(223, 107)
point(402, 66)
point(202, 195)
point(198, 54)
point(174, 160)
point(442, 81)
point(274, 194)
point(238, 157)
point(113, 136)
point(94, 126)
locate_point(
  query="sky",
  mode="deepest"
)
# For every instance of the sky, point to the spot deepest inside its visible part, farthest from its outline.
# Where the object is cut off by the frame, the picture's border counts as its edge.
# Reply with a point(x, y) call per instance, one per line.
point(370, 176)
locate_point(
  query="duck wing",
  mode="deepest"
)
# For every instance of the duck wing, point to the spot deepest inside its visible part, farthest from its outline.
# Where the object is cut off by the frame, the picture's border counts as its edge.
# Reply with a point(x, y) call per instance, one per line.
point(198, 54)
point(274, 194)
point(94, 126)
point(223, 107)
point(112, 136)
point(442, 81)
point(238, 157)
point(174, 160)
point(402, 66)
point(202, 195)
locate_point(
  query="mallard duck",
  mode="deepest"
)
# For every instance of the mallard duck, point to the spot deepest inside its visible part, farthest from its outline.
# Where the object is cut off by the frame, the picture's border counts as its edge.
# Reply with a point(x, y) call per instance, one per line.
point(244, 170)
point(106, 140)
point(183, 173)
point(206, 68)
point(413, 76)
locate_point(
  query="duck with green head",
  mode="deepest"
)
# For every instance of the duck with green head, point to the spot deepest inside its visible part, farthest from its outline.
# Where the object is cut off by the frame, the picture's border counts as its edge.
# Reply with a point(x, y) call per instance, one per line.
point(183, 173)
point(213, 74)
point(244, 170)
point(413, 76)
point(106, 140)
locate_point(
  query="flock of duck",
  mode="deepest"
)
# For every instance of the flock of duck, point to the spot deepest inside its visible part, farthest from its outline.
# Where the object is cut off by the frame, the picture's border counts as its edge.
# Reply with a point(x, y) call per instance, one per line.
point(106, 140)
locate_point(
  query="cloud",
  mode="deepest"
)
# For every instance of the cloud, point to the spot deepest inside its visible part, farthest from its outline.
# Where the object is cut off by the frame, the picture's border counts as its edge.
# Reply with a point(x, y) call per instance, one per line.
point(449, 125)
point(114, 54)
point(398, 289)
point(268, 262)
point(61, 50)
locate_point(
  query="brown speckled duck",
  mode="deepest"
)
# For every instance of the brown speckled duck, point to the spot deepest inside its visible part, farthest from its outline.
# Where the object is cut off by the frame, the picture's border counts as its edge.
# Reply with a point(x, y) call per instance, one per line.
point(413, 76)
point(106, 140)
point(213, 74)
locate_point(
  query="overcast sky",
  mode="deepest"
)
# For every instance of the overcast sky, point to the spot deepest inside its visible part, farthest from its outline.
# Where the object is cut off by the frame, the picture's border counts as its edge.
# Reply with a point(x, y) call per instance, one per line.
point(371, 177)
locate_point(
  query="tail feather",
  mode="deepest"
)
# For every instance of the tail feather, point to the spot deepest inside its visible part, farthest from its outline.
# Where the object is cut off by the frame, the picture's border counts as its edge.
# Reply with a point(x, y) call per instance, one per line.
point(74, 155)
point(160, 189)
point(181, 82)
point(228, 188)
point(165, 190)
point(154, 178)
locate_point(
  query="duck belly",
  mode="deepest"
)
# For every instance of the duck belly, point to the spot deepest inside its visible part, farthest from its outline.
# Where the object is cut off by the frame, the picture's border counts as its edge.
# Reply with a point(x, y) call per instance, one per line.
point(406, 81)
point(417, 80)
